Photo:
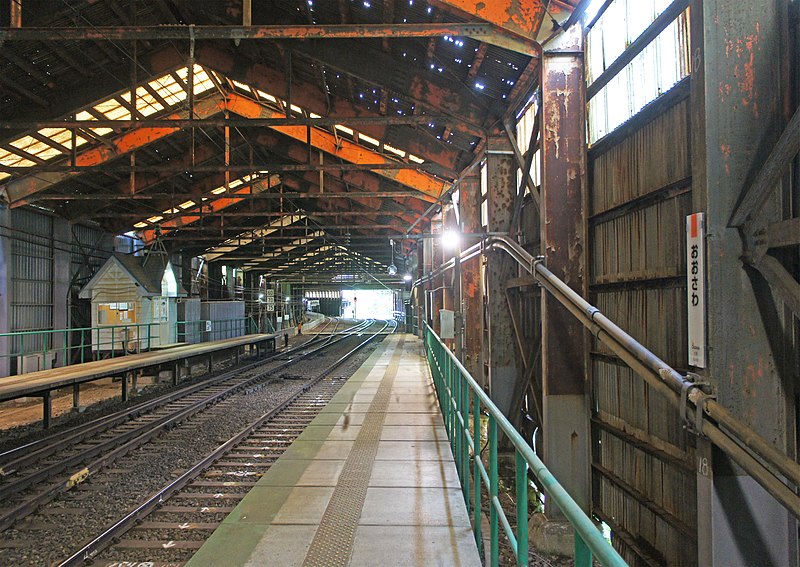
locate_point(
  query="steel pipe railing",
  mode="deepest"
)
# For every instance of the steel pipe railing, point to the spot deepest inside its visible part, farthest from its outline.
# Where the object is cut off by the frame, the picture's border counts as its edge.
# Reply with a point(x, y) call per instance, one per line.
point(462, 401)
point(740, 442)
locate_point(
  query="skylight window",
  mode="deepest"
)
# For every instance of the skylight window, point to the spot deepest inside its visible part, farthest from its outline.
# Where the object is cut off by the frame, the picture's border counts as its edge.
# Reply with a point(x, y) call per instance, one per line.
point(202, 82)
point(394, 150)
point(34, 147)
point(168, 89)
point(113, 110)
point(369, 140)
point(240, 85)
point(267, 96)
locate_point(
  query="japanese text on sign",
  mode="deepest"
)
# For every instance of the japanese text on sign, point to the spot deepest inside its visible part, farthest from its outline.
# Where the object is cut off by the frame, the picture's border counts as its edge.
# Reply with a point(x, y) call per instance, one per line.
point(696, 288)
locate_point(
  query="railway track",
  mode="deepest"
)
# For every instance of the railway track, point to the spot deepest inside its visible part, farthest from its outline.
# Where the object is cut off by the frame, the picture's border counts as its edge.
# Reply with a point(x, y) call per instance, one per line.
point(173, 522)
point(39, 472)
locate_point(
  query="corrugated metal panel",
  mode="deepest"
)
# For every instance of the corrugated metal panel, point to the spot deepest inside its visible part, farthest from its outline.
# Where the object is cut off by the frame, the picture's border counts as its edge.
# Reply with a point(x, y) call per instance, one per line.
point(189, 310)
point(223, 314)
point(643, 477)
point(31, 275)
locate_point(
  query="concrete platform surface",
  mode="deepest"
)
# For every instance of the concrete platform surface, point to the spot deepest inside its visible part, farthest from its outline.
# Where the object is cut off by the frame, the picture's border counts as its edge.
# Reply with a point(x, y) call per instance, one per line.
point(370, 482)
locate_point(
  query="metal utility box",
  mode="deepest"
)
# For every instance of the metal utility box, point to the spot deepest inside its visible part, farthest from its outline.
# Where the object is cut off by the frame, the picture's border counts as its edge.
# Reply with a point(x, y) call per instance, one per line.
point(226, 319)
point(448, 323)
point(190, 330)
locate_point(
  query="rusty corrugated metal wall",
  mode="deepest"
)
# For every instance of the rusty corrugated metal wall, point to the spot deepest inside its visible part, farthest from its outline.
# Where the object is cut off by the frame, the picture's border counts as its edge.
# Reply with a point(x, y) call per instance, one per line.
point(643, 472)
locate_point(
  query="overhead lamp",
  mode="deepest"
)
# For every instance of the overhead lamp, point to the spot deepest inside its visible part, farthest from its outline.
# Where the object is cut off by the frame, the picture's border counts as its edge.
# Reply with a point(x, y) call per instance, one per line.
point(407, 278)
point(451, 239)
point(392, 269)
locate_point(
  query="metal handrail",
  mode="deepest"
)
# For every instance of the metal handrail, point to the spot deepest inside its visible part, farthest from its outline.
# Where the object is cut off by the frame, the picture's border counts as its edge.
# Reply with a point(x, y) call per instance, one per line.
point(740, 442)
point(113, 338)
point(462, 400)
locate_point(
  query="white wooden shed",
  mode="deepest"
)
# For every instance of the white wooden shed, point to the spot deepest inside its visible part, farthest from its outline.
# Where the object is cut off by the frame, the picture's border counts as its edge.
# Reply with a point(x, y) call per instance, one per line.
point(134, 303)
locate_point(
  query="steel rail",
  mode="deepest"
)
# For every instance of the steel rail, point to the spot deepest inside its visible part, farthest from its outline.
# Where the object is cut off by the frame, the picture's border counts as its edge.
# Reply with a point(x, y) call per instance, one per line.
point(739, 441)
point(126, 442)
point(9, 462)
point(98, 544)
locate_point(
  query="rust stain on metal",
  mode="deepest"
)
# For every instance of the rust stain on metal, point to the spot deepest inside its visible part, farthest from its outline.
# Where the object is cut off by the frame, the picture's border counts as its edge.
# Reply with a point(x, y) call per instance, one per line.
point(195, 214)
point(725, 149)
point(343, 148)
point(742, 49)
point(518, 16)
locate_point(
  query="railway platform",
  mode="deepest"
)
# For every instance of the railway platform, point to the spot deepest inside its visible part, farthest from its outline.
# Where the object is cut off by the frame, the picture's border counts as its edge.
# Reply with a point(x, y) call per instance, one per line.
point(370, 481)
point(44, 382)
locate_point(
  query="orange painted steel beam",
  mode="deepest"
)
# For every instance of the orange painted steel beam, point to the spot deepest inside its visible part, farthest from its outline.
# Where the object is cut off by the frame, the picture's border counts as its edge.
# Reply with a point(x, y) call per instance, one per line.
point(194, 215)
point(342, 148)
point(17, 192)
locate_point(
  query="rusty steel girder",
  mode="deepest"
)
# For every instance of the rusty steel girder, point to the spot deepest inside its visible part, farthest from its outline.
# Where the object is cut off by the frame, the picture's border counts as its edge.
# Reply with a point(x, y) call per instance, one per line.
point(20, 189)
point(310, 97)
point(196, 213)
point(494, 34)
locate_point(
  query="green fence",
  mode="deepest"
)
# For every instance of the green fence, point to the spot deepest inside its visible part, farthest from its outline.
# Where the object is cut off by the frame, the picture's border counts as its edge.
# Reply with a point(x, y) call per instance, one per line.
point(62, 347)
point(462, 402)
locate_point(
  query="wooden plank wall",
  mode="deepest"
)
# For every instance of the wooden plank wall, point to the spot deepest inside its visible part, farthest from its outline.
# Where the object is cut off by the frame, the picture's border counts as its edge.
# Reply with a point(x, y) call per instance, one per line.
point(643, 473)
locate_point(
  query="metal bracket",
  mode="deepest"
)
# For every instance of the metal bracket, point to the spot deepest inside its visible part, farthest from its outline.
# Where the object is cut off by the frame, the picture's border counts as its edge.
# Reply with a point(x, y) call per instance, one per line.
point(694, 424)
point(536, 260)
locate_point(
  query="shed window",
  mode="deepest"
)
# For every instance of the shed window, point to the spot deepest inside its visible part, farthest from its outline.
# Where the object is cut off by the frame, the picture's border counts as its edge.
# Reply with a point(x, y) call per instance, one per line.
point(169, 285)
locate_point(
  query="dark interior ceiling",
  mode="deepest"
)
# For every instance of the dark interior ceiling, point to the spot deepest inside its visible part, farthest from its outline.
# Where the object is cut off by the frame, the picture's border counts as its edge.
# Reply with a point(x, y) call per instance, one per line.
point(397, 120)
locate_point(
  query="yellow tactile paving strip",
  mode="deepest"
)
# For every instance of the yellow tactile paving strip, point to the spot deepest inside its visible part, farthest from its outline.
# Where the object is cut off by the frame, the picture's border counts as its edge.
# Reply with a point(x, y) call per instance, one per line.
point(333, 543)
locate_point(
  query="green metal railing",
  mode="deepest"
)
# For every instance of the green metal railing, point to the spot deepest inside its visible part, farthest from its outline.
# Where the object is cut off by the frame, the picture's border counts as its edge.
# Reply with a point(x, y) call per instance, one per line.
point(462, 401)
point(78, 345)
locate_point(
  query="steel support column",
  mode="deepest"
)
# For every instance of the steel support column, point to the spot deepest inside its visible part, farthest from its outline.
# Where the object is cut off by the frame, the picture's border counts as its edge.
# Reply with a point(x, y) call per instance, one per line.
point(61, 289)
point(563, 232)
point(437, 292)
point(500, 268)
point(739, 108)
point(448, 281)
point(469, 204)
point(420, 291)
point(6, 343)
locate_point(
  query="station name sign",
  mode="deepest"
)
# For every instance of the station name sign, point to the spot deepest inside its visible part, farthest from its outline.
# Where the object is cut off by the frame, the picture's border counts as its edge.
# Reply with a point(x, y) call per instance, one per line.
point(696, 288)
